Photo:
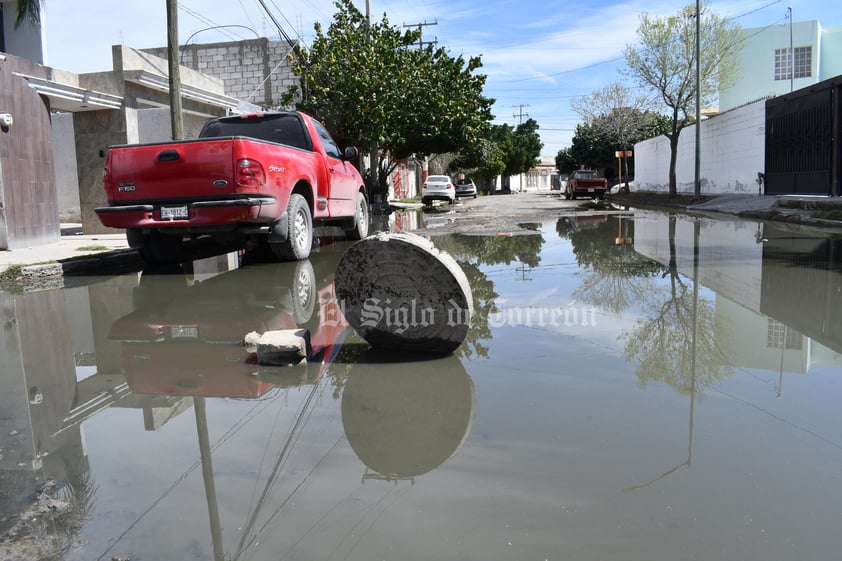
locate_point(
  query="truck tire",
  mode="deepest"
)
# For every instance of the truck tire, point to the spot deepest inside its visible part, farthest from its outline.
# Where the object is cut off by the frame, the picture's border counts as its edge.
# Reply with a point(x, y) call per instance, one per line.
point(359, 229)
point(300, 297)
point(156, 247)
point(299, 231)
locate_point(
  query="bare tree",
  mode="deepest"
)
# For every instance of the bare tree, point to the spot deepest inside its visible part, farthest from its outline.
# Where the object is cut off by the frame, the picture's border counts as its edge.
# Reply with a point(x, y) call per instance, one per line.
point(617, 112)
point(665, 62)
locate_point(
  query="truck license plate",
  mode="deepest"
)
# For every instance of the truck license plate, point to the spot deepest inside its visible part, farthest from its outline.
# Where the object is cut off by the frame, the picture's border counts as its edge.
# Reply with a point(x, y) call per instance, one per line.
point(590, 190)
point(181, 331)
point(173, 212)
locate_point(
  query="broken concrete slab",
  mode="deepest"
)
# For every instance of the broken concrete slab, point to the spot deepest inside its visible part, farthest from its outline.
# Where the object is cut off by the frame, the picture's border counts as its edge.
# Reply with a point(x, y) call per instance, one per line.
point(279, 348)
point(399, 292)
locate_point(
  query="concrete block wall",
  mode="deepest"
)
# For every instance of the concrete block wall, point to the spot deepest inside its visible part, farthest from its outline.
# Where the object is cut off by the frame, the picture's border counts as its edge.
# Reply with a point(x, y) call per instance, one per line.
point(257, 71)
point(732, 153)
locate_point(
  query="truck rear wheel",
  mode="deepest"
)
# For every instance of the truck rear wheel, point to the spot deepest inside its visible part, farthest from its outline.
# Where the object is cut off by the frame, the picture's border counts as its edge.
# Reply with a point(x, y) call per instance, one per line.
point(299, 231)
point(361, 220)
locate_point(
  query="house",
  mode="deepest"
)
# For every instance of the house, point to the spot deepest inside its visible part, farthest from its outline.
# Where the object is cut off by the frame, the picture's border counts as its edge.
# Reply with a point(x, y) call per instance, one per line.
point(777, 131)
point(764, 61)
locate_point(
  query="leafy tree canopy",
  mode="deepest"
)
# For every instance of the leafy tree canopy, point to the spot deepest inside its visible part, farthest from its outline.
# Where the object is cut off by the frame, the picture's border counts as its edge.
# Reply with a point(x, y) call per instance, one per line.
point(371, 87)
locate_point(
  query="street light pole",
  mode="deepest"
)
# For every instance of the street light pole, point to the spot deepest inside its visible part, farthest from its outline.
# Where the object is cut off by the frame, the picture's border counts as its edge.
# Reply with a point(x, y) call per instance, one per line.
point(791, 53)
point(697, 191)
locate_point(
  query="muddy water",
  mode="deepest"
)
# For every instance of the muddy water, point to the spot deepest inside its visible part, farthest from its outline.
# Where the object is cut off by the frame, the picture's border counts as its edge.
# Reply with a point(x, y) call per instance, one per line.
point(634, 387)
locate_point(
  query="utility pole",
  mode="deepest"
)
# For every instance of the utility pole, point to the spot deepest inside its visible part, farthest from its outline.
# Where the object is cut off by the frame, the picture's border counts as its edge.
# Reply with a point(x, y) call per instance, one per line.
point(421, 27)
point(176, 117)
point(520, 114)
point(374, 154)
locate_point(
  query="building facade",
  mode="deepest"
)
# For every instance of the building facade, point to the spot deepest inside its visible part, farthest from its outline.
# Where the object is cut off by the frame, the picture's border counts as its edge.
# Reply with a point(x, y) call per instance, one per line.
point(765, 62)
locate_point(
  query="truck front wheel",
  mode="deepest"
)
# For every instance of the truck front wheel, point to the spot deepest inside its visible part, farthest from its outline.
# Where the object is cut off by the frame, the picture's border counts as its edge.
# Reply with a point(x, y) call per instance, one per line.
point(361, 221)
point(299, 231)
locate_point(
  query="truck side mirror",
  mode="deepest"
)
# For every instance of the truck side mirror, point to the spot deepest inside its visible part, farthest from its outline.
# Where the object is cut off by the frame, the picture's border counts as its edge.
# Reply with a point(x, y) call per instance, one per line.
point(351, 152)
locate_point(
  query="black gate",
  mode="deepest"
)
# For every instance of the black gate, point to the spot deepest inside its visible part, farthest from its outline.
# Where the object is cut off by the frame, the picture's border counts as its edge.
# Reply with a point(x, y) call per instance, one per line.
point(802, 141)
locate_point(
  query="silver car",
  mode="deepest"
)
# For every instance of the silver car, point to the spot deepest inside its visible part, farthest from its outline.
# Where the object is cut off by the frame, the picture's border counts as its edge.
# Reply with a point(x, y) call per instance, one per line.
point(466, 188)
point(438, 188)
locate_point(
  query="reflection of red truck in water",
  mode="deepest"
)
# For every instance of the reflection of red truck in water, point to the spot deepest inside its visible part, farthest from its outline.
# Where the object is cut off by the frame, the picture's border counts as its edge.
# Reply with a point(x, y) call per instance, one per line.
point(185, 337)
point(585, 182)
point(247, 180)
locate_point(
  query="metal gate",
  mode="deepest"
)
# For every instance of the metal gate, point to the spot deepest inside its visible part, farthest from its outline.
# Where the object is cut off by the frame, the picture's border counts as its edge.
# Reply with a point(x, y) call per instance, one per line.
point(802, 141)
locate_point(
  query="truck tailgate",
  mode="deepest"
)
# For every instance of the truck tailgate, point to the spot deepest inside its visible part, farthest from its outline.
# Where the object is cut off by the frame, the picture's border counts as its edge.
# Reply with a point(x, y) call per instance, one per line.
point(185, 170)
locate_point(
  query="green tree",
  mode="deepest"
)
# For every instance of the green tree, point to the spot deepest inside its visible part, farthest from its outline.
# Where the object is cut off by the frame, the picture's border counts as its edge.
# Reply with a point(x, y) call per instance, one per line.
point(523, 148)
point(483, 161)
point(565, 162)
point(371, 87)
point(665, 62)
point(591, 148)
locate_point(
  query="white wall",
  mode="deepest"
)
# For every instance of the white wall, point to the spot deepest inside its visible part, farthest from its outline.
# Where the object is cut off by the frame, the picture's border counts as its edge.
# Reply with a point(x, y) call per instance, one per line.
point(732, 153)
point(27, 41)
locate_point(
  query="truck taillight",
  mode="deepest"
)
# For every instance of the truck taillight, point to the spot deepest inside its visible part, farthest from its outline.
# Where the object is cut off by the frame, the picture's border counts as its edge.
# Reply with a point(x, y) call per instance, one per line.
point(106, 181)
point(250, 173)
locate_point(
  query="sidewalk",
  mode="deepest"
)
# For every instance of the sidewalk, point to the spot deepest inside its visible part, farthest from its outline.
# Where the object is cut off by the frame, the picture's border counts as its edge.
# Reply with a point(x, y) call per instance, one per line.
point(72, 246)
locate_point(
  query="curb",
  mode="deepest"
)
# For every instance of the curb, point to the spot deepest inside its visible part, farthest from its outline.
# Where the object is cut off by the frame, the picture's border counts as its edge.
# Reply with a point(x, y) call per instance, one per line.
point(51, 275)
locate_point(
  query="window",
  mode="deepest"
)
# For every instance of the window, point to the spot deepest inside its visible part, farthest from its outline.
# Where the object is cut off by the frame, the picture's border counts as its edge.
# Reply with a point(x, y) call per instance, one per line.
point(803, 63)
point(779, 336)
point(330, 146)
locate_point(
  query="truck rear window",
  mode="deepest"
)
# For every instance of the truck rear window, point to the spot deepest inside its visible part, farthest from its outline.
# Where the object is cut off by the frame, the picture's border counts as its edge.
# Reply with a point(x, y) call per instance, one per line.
point(283, 129)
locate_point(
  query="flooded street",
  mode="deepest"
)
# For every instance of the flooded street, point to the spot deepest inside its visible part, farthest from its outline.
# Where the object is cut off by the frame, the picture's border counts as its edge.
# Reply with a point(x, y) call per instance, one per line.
point(634, 387)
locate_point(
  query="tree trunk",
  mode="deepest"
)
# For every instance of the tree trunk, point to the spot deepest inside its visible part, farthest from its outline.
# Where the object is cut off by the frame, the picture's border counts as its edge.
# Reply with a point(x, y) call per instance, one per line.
point(673, 160)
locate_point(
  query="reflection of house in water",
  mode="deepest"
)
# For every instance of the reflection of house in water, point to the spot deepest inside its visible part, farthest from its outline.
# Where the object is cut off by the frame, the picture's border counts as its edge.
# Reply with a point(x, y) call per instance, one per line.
point(55, 375)
point(776, 286)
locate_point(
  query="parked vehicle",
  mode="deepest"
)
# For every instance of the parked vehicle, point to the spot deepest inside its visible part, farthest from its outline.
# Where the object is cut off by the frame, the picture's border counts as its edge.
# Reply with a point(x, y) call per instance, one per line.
point(466, 188)
point(559, 182)
point(585, 182)
point(185, 336)
point(246, 180)
point(617, 186)
point(438, 188)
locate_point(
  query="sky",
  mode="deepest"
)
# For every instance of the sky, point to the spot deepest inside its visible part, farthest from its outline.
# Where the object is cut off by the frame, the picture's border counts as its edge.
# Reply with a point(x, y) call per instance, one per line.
point(538, 54)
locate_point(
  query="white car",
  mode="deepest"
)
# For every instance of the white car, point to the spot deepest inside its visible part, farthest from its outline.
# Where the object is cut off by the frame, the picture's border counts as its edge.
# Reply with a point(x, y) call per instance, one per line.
point(438, 188)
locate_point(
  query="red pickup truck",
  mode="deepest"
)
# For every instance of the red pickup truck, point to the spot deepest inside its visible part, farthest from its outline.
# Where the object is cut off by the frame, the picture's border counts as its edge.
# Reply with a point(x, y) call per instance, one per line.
point(585, 182)
point(245, 181)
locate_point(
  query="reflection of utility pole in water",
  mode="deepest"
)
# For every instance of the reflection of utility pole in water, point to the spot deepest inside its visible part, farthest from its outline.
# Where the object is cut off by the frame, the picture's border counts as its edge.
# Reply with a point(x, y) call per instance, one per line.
point(523, 269)
point(207, 476)
point(688, 461)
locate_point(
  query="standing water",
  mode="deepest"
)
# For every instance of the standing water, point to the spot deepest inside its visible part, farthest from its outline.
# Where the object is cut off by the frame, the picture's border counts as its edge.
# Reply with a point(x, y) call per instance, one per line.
point(635, 387)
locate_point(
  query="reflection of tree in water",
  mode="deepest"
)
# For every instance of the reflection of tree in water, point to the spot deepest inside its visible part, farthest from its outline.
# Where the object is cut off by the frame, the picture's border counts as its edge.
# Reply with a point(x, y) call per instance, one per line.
point(617, 278)
point(661, 344)
point(614, 275)
point(473, 251)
